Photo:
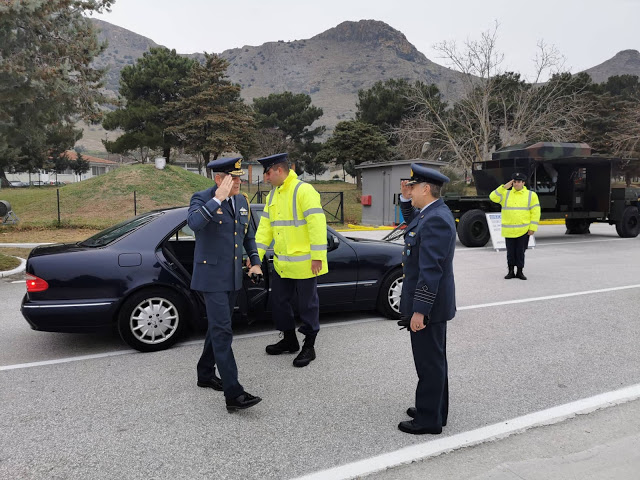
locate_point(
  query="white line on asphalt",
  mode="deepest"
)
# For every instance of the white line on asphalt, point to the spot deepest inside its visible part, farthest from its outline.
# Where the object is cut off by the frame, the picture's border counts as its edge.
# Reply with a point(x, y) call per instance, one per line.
point(330, 325)
point(544, 244)
point(475, 437)
point(184, 344)
point(548, 297)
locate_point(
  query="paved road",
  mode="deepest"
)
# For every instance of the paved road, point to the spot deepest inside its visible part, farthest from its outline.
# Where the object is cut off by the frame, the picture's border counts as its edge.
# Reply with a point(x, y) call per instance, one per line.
point(140, 415)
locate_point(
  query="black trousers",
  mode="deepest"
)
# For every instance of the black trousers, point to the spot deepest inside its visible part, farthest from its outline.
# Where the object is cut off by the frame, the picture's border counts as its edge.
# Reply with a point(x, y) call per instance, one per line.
point(515, 250)
point(284, 291)
point(217, 343)
point(430, 356)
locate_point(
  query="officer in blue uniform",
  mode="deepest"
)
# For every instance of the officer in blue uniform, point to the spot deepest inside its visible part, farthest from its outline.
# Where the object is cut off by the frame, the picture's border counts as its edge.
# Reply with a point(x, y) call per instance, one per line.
point(220, 219)
point(428, 294)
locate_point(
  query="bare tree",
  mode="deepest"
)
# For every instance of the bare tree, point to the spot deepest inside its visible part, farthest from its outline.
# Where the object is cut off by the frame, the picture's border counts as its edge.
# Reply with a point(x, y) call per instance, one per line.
point(269, 141)
point(497, 109)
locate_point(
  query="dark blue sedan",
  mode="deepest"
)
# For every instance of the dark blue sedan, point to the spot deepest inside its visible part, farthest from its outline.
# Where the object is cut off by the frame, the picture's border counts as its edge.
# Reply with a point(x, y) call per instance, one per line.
point(136, 276)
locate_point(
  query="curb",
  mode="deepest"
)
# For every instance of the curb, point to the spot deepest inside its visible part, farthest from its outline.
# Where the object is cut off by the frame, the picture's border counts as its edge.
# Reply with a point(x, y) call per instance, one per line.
point(21, 268)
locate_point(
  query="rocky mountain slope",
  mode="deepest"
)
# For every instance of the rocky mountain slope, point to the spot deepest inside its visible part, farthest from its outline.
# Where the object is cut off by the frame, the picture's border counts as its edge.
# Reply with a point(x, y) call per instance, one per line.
point(626, 62)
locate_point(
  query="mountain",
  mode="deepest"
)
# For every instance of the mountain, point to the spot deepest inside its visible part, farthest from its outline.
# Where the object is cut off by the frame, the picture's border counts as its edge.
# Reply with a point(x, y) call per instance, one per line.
point(626, 62)
point(331, 67)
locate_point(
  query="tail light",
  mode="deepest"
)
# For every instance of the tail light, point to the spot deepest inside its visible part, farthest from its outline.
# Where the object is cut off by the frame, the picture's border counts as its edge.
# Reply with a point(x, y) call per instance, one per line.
point(36, 284)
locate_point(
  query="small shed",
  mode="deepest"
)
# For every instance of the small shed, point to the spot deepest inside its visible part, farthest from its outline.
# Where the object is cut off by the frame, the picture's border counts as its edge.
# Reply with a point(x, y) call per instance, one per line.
point(381, 189)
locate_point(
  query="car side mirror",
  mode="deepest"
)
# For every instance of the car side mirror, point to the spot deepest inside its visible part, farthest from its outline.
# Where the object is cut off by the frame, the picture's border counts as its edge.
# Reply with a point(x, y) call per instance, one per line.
point(332, 242)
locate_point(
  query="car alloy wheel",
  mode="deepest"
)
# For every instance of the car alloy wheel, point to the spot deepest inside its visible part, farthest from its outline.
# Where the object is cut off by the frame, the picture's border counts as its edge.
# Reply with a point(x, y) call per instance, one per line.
point(152, 319)
point(389, 296)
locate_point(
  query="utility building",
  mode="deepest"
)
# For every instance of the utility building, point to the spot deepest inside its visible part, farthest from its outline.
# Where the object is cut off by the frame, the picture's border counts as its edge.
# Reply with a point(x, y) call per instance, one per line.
point(381, 189)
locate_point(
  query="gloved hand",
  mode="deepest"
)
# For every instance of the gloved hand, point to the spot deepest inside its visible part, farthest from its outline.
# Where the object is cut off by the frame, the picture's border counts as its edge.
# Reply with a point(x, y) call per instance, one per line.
point(256, 277)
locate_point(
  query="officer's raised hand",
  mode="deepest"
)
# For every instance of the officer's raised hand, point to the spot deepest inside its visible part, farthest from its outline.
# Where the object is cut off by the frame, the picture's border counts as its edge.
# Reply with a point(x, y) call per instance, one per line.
point(223, 190)
point(508, 185)
point(405, 189)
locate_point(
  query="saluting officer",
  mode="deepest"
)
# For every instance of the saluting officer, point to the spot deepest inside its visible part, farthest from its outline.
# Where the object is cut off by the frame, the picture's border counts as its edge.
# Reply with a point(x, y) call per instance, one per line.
point(520, 219)
point(219, 217)
point(428, 294)
point(294, 220)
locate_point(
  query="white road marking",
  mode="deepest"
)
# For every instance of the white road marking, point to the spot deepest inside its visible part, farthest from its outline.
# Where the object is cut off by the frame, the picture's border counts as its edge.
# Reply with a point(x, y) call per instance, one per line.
point(475, 437)
point(544, 244)
point(548, 297)
point(330, 325)
point(182, 344)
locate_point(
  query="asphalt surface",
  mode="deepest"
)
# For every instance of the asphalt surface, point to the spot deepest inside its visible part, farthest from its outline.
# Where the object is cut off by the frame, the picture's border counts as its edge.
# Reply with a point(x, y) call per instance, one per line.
point(134, 415)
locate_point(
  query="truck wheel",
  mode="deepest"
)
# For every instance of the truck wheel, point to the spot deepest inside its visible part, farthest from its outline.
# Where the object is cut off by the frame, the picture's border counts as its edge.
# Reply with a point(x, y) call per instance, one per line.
point(473, 230)
point(577, 226)
point(629, 225)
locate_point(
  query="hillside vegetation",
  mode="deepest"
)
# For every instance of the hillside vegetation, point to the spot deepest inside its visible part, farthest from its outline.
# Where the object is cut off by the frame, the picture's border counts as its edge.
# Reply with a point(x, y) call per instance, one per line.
point(102, 201)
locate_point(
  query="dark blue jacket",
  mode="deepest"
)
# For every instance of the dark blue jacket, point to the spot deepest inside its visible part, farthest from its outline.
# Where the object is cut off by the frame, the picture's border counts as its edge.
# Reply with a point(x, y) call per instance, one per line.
point(220, 236)
point(429, 244)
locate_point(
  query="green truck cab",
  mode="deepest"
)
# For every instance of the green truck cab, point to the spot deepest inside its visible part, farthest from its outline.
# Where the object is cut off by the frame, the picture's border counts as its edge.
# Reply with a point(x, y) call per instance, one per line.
point(571, 183)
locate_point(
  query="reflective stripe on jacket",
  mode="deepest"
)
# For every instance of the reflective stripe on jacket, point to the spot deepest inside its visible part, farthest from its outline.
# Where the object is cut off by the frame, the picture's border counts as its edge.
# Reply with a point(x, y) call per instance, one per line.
point(520, 210)
point(294, 220)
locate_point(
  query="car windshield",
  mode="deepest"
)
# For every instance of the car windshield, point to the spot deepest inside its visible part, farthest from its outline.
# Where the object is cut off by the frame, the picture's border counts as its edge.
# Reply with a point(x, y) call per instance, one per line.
point(111, 234)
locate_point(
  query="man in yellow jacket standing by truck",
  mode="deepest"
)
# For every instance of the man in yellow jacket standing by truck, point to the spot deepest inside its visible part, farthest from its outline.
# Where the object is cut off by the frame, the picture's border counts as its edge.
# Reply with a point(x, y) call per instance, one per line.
point(294, 220)
point(520, 219)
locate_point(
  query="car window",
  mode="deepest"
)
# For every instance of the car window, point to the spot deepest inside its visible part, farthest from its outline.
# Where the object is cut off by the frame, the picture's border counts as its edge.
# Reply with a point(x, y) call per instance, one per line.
point(112, 234)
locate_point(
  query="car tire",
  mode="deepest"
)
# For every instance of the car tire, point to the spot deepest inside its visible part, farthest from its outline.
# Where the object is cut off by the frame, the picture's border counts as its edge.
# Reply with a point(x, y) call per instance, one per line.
point(629, 225)
point(473, 230)
point(389, 295)
point(152, 319)
point(577, 226)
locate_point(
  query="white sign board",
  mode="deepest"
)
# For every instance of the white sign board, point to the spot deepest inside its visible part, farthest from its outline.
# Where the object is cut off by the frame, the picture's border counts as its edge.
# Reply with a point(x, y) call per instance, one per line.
point(494, 221)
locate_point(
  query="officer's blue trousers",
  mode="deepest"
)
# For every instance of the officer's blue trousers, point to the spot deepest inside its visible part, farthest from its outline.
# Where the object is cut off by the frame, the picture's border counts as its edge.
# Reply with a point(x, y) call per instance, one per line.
point(217, 343)
point(429, 347)
point(284, 291)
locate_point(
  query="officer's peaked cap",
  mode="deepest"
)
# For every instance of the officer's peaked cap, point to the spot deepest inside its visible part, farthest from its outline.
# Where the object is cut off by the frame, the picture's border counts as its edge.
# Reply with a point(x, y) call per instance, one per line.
point(272, 160)
point(519, 176)
point(422, 173)
point(230, 165)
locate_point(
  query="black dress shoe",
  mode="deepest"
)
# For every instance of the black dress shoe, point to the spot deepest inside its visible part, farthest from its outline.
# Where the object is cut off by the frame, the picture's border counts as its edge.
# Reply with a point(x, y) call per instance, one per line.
point(242, 401)
point(214, 382)
point(305, 357)
point(411, 411)
point(283, 346)
point(520, 275)
point(410, 426)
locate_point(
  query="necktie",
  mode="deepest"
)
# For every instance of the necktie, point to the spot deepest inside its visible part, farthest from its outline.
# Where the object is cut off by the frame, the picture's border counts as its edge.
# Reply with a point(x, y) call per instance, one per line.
point(233, 212)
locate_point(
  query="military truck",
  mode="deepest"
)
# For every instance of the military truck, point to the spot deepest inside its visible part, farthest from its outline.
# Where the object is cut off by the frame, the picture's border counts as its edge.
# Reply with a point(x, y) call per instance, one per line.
point(571, 183)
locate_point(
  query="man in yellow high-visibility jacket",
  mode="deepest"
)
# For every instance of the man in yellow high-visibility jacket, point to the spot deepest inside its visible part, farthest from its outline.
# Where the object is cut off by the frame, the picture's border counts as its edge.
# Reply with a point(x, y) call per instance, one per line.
point(520, 219)
point(294, 221)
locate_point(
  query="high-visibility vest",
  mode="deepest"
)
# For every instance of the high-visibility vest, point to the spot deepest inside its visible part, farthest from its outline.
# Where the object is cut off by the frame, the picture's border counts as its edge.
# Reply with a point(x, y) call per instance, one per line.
point(520, 210)
point(294, 220)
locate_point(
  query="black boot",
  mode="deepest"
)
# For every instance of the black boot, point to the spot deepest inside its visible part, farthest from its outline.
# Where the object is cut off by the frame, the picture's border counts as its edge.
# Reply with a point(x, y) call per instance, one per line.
point(308, 352)
point(520, 275)
point(289, 344)
point(510, 275)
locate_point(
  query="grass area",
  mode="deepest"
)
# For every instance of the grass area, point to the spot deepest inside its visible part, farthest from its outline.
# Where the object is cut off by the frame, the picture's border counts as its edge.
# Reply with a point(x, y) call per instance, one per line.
point(92, 205)
point(7, 262)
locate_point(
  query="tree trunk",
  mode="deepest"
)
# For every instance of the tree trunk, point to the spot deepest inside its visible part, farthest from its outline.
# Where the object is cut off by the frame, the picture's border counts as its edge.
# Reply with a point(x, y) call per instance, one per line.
point(205, 160)
point(358, 180)
point(166, 151)
point(3, 178)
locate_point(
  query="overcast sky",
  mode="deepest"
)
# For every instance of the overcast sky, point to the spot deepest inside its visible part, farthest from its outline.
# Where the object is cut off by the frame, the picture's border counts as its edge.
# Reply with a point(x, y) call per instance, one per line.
point(586, 32)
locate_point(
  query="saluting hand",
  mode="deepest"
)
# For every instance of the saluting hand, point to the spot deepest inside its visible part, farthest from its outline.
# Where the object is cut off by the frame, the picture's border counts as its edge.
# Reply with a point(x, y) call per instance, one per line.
point(316, 266)
point(508, 185)
point(222, 192)
point(405, 189)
